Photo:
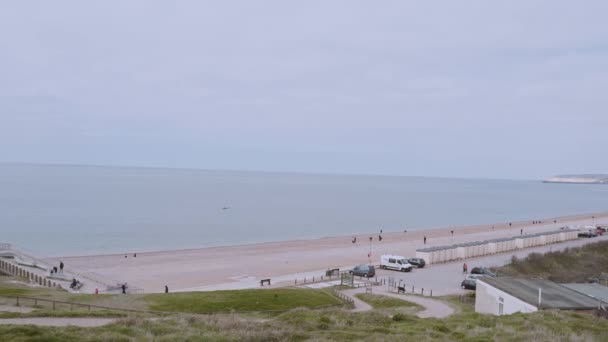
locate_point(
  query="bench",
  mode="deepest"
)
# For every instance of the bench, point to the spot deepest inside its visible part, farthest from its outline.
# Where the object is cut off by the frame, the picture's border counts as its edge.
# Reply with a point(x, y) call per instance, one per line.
point(267, 281)
point(401, 289)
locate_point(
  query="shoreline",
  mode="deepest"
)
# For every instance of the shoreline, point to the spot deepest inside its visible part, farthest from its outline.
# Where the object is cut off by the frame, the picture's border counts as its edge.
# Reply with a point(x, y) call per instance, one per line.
point(241, 266)
point(410, 231)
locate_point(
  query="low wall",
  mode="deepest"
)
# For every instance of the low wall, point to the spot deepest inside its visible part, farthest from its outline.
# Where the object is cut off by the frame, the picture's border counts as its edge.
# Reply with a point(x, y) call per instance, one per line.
point(9, 268)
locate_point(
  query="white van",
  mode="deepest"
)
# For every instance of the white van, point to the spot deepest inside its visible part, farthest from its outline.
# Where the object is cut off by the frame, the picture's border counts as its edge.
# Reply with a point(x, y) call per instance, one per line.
point(395, 262)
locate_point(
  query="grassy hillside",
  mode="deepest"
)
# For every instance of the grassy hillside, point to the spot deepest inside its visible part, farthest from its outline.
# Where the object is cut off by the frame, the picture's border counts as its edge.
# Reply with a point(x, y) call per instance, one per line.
point(570, 265)
point(304, 324)
point(184, 302)
point(241, 300)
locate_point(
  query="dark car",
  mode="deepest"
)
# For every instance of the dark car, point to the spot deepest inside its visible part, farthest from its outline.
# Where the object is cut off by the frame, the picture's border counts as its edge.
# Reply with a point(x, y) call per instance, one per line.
point(470, 283)
point(364, 271)
point(587, 234)
point(417, 262)
point(483, 271)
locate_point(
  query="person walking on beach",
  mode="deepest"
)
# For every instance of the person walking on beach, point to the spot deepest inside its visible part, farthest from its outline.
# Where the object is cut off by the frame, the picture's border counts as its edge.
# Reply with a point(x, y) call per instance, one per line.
point(124, 288)
point(354, 239)
point(464, 268)
point(379, 237)
point(166, 289)
point(425, 239)
point(61, 266)
point(521, 231)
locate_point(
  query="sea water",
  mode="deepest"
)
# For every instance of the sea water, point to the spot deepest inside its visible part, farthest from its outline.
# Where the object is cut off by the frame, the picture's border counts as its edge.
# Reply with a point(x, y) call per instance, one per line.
point(76, 210)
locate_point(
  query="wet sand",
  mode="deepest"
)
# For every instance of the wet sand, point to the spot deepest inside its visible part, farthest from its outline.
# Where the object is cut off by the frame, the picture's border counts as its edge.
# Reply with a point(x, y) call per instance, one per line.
point(242, 266)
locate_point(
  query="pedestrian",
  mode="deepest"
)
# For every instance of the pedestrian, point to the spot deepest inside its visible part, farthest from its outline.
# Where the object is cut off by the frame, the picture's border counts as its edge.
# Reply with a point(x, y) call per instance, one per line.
point(379, 237)
point(354, 239)
point(464, 268)
point(55, 269)
point(61, 266)
point(521, 231)
point(124, 288)
point(425, 239)
point(135, 255)
point(380, 231)
point(510, 224)
point(166, 289)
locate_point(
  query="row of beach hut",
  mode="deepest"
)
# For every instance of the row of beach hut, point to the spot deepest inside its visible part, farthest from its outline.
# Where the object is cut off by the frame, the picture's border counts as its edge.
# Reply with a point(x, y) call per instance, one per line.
point(434, 255)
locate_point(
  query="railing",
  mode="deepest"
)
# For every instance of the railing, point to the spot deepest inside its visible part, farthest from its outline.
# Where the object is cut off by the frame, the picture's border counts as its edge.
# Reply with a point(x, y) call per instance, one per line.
point(342, 296)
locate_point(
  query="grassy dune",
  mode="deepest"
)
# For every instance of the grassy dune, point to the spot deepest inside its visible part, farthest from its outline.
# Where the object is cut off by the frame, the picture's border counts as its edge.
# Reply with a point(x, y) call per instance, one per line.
point(570, 265)
point(304, 324)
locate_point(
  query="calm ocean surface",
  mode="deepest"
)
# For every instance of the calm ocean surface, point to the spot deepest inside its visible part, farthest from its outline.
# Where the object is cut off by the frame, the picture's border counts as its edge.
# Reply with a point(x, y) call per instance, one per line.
point(73, 210)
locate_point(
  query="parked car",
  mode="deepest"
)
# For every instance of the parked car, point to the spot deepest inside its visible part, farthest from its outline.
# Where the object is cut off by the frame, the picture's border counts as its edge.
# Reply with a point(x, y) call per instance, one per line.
point(587, 234)
point(483, 271)
point(470, 282)
point(395, 262)
point(417, 262)
point(364, 271)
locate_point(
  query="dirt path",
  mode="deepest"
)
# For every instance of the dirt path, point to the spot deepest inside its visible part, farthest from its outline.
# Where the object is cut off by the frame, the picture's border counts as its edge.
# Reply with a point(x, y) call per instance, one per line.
point(18, 309)
point(432, 307)
point(360, 305)
point(59, 322)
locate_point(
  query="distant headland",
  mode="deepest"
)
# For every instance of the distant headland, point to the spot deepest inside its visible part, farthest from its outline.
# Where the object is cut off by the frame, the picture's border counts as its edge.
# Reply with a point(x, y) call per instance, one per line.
point(579, 179)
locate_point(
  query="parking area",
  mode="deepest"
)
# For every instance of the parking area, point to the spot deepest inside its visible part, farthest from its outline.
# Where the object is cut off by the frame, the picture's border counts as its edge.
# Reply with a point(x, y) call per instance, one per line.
point(445, 279)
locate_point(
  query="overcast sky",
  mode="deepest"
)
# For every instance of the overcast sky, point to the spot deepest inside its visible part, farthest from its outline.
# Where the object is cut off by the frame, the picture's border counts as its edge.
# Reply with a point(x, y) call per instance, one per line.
point(509, 89)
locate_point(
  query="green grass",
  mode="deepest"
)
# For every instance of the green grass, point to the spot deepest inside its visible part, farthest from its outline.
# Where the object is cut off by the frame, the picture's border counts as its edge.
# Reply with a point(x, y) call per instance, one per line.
point(385, 302)
point(570, 265)
point(240, 300)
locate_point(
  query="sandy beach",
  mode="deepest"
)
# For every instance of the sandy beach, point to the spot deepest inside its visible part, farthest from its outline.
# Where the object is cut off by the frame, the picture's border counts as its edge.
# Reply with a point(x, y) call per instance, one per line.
point(242, 266)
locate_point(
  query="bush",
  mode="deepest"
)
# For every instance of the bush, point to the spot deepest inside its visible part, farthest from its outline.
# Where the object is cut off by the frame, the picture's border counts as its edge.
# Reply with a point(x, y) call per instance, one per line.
point(399, 317)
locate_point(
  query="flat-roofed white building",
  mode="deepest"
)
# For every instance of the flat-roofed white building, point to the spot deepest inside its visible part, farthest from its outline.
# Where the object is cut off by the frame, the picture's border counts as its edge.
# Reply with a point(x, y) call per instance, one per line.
point(507, 295)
